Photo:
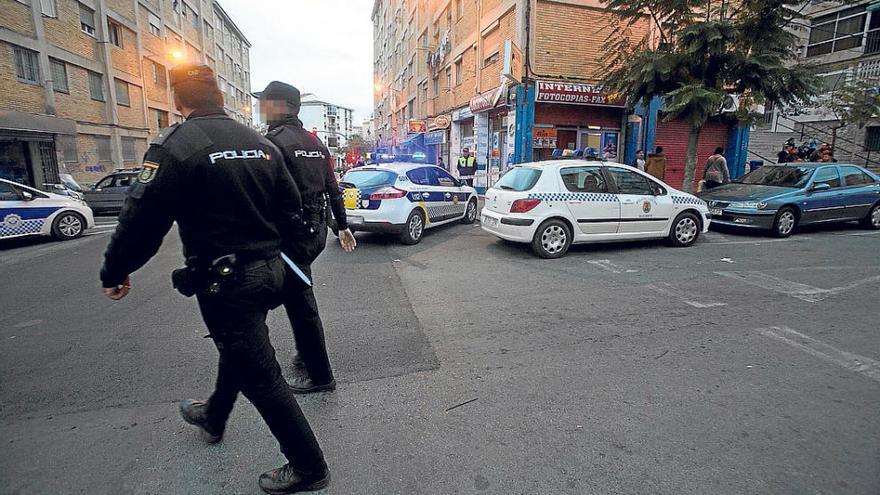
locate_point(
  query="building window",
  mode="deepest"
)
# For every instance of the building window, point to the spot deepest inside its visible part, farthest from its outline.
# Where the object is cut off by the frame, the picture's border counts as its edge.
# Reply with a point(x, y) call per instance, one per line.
point(47, 8)
point(155, 26)
point(459, 75)
point(105, 154)
point(436, 86)
point(209, 31)
point(96, 86)
point(27, 65)
point(491, 59)
point(87, 20)
point(68, 148)
point(161, 118)
point(122, 96)
point(115, 32)
point(449, 78)
point(836, 32)
point(59, 75)
point(459, 6)
point(872, 138)
point(158, 74)
point(128, 153)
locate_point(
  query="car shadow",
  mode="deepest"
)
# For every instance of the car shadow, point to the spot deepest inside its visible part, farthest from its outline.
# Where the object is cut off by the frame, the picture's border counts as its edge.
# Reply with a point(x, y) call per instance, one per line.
point(28, 241)
point(801, 229)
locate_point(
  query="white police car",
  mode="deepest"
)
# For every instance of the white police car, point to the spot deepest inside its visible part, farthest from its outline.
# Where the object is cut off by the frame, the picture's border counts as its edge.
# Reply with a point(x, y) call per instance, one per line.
point(405, 199)
point(554, 204)
point(28, 211)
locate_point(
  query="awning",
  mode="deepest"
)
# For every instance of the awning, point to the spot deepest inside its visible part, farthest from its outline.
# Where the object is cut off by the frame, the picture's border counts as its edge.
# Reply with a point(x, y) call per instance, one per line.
point(415, 140)
point(31, 122)
point(874, 6)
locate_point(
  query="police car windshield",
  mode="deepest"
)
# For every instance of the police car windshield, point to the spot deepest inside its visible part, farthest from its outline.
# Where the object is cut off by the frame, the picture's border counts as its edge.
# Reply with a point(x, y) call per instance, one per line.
point(370, 178)
point(519, 179)
point(769, 175)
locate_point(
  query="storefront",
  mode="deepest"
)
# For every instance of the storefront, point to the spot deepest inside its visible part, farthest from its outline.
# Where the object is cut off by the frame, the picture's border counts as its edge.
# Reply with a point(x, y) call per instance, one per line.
point(576, 117)
point(27, 147)
point(461, 135)
point(437, 140)
point(494, 139)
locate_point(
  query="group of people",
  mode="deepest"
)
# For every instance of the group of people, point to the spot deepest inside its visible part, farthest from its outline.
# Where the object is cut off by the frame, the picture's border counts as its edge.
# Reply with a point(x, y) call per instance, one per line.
point(807, 152)
point(251, 211)
point(715, 172)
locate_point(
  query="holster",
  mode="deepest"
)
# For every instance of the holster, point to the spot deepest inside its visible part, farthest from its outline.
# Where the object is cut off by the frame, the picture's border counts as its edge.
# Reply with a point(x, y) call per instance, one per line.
point(204, 276)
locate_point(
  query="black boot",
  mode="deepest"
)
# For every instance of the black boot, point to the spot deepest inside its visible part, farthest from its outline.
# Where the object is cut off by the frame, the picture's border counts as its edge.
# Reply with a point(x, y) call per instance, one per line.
point(302, 384)
point(195, 413)
point(286, 480)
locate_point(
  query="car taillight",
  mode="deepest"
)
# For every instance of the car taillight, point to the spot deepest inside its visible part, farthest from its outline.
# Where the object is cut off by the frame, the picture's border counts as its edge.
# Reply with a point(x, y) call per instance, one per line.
point(524, 205)
point(388, 192)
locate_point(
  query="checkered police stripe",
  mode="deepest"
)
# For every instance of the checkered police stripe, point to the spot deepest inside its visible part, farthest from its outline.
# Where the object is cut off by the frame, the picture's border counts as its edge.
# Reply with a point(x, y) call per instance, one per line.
point(445, 210)
point(568, 196)
point(23, 227)
point(687, 200)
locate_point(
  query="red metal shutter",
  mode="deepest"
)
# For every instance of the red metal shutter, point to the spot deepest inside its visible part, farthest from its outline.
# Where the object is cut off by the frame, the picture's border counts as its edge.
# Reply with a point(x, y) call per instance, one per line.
point(673, 137)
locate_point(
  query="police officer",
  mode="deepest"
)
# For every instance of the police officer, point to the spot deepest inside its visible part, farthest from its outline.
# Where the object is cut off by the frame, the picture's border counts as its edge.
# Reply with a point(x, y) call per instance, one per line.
point(467, 166)
point(234, 201)
point(310, 164)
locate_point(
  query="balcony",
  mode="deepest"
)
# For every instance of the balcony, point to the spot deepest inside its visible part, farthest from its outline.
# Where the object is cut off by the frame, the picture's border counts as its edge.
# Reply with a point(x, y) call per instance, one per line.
point(872, 42)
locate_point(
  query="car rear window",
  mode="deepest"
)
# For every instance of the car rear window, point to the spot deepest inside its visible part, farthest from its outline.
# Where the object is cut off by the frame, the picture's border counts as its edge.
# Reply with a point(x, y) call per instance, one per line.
point(519, 179)
point(370, 178)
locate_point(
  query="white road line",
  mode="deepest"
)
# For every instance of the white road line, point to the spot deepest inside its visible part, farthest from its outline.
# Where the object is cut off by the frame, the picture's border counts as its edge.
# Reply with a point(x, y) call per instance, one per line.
point(801, 291)
point(608, 266)
point(847, 360)
point(866, 233)
point(761, 241)
point(96, 233)
point(671, 291)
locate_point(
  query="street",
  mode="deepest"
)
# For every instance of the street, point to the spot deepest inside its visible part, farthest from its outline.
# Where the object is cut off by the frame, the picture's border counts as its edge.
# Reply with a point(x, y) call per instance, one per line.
point(745, 364)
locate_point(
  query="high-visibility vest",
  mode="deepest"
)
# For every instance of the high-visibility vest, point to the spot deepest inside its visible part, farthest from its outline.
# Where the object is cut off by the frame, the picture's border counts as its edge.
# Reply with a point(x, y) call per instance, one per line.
point(466, 161)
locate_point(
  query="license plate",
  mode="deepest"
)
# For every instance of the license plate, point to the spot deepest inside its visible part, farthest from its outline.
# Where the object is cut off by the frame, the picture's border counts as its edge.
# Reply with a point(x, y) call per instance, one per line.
point(716, 211)
point(490, 221)
point(352, 198)
point(354, 220)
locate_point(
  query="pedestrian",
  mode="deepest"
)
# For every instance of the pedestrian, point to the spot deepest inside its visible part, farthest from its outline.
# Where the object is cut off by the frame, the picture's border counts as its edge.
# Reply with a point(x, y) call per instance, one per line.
point(827, 156)
point(816, 156)
point(467, 166)
point(233, 200)
point(639, 162)
point(656, 164)
point(716, 172)
point(307, 159)
point(440, 163)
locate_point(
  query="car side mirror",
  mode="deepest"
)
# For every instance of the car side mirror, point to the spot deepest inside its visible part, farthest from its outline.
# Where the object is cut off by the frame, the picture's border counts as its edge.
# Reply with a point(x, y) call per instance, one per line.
point(820, 187)
point(26, 196)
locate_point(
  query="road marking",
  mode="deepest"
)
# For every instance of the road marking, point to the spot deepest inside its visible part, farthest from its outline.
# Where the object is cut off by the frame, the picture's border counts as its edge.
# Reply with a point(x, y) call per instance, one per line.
point(866, 233)
point(847, 360)
point(671, 291)
point(97, 233)
point(608, 266)
point(762, 241)
point(798, 290)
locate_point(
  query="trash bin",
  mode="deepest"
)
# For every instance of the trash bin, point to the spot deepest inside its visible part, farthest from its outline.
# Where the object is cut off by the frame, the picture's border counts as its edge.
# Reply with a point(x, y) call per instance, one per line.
point(754, 164)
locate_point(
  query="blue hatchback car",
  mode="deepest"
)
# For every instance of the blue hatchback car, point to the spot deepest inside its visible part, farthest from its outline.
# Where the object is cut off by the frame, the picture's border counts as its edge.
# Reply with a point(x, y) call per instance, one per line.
point(780, 197)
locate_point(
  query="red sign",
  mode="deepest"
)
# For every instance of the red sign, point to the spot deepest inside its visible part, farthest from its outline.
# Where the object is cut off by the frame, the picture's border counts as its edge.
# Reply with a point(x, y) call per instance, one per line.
point(416, 126)
point(487, 100)
point(576, 94)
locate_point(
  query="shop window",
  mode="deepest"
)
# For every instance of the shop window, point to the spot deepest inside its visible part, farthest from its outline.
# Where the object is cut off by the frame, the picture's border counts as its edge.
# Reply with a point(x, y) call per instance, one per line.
point(87, 20)
point(47, 8)
point(27, 65)
point(128, 153)
point(96, 86)
point(122, 96)
point(59, 75)
point(105, 154)
point(115, 32)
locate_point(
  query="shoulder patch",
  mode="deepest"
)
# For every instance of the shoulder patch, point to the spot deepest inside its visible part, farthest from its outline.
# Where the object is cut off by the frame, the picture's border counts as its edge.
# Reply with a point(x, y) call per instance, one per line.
point(148, 173)
point(276, 131)
point(164, 134)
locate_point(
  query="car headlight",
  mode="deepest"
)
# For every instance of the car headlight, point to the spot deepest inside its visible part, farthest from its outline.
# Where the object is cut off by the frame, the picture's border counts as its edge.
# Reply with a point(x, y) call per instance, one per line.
point(749, 205)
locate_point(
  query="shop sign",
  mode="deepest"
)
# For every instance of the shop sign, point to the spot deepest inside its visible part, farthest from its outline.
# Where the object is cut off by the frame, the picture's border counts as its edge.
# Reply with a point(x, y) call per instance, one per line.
point(462, 114)
point(543, 137)
point(487, 100)
point(439, 122)
point(576, 94)
point(417, 126)
point(434, 138)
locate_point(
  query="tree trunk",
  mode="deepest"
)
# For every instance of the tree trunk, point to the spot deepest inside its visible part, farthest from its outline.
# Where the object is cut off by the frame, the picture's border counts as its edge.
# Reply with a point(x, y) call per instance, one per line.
point(690, 162)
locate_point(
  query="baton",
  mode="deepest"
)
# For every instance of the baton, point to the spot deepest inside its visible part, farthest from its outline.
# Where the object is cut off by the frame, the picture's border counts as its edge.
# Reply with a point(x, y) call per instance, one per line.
point(296, 270)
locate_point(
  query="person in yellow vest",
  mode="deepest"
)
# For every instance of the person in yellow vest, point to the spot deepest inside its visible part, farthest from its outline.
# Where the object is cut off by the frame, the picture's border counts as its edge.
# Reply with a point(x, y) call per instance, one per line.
point(467, 166)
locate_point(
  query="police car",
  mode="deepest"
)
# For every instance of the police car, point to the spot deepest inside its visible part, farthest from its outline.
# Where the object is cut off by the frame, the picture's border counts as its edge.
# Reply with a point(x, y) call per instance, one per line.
point(554, 204)
point(27, 211)
point(405, 199)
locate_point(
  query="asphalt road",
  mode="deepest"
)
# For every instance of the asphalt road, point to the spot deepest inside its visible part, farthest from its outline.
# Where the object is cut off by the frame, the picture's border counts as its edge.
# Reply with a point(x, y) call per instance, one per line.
point(741, 365)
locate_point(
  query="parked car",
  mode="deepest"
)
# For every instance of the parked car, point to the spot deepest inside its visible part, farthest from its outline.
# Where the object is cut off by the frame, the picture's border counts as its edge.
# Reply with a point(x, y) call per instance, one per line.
point(779, 198)
point(108, 194)
point(555, 204)
point(27, 211)
point(405, 199)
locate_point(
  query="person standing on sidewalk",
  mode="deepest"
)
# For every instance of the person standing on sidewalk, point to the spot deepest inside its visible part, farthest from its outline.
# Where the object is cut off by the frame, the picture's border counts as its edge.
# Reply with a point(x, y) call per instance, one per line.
point(656, 164)
point(233, 200)
point(716, 172)
point(307, 159)
point(467, 167)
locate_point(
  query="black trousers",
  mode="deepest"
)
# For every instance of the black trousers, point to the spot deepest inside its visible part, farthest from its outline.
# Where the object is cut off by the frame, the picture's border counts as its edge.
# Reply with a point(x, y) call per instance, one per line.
point(236, 320)
point(308, 331)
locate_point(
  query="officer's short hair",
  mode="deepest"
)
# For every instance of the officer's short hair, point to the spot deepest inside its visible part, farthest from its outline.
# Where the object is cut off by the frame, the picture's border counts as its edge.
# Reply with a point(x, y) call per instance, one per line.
point(198, 95)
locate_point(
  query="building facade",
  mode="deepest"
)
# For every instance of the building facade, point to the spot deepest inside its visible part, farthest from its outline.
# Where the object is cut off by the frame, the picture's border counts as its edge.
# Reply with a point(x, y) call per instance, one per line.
point(332, 123)
point(84, 84)
point(842, 41)
point(512, 80)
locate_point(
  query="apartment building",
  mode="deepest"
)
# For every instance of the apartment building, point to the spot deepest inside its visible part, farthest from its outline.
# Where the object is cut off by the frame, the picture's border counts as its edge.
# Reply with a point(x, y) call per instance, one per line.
point(84, 84)
point(842, 40)
point(512, 80)
point(332, 123)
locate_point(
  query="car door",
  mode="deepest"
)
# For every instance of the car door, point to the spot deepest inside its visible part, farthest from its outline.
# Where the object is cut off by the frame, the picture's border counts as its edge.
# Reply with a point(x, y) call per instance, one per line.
point(454, 200)
point(20, 216)
point(821, 205)
point(427, 192)
point(98, 196)
point(860, 191)
point(641, 210)
point(589, 199)
point(117, 193)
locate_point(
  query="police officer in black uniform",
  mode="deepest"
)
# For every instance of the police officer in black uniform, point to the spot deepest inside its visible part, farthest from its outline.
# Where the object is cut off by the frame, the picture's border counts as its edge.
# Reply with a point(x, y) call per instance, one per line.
point(309, 162)
point(234, 201)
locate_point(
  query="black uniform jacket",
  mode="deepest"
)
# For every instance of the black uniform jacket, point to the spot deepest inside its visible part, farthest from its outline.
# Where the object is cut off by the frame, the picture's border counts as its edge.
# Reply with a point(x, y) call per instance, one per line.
point(224, 184)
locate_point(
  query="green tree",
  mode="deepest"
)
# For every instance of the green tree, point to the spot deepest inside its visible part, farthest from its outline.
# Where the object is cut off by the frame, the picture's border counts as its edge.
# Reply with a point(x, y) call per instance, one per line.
point(855, 102)
point(697, 56)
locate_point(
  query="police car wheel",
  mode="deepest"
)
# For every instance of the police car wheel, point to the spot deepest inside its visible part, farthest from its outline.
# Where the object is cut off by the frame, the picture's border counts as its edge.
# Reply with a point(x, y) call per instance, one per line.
point(68, 225)
point(413, 229)
point(470, 214)
point(872, 219)
point(552, 239)
point(685, 230)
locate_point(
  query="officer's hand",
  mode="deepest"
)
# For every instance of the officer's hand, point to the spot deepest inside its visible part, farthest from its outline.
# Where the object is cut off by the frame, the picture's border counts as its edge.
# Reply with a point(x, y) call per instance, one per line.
point(120, 291)
point(347, 241)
